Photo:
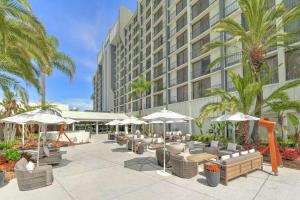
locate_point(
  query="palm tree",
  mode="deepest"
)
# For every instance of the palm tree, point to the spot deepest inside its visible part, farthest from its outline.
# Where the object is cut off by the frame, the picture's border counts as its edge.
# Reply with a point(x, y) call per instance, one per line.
point(263, 30)
point(54, 60)
point(296, 123)
point(242, 101)
point(140, 86)
point(18, 43)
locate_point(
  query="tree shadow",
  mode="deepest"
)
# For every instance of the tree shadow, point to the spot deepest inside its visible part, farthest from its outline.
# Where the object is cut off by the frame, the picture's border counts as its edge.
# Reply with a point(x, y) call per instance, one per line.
point(142, 164)
point(121, 149)
point(109, 142)
point(63, 163)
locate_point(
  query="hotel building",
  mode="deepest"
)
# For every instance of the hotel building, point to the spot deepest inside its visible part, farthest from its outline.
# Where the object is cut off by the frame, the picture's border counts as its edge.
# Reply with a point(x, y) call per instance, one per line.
point(161, 41)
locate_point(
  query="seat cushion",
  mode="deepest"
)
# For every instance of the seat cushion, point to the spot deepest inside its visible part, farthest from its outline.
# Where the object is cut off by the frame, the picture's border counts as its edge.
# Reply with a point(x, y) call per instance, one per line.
point(214, 143)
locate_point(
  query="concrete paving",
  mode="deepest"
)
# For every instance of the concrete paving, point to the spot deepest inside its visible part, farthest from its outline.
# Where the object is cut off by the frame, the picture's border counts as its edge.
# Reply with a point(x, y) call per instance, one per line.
point(105, 170)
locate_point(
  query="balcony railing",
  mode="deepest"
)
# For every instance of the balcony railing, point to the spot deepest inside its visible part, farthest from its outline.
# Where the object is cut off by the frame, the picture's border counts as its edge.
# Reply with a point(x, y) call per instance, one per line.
point(173, 65)
point(231, 8)
point(214, 19)
point(172, 32)
point(158, 73)
point(173, 48)
point(234, 59)
point(202, 28)
point(172, 82)
point(158, 88)
point(200, 72)
point(172, 15)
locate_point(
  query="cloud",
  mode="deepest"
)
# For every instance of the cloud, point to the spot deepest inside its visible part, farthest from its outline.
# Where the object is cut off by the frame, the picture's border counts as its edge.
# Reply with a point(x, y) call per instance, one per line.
point(80, 103)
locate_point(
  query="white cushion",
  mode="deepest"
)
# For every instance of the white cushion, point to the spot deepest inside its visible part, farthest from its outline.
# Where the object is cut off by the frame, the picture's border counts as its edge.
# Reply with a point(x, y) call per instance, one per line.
point(235, 155)
point(142, 137)
point(225, 157)
point(231, 146)
point(214, 143)
point(30, 166)
point(244, 152)
point(251, 150)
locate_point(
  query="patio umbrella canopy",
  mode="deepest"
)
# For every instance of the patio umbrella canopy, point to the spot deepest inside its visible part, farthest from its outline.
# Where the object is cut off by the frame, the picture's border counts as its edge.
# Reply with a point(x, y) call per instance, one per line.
point(165, 116)
point(236, 117)
point(114, 123)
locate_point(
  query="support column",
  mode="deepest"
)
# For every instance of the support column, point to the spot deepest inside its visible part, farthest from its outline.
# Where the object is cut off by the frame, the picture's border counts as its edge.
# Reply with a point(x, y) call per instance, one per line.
point(97, 128)
point(73, 127)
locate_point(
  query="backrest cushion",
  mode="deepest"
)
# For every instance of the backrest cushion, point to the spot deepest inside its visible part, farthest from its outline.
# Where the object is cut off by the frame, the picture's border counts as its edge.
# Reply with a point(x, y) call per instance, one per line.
point(244, 152)
point(231, 147)
point(21, 164)
point(251, 150)
point(225, 157)
point(46, 151)
point(30, 166)
point(235, 155)
point(214, 143)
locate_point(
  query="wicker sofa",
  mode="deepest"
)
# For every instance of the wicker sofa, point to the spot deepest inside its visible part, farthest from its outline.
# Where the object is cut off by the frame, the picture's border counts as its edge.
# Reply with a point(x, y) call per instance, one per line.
point(160, 158)
point(183, 168)
point(241, 165)
point(40, 177)
point(121, 140)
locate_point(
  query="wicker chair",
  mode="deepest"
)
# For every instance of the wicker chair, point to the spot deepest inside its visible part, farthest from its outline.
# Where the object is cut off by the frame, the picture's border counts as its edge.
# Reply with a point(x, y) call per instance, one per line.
point(40, 177)
point(160, 157)
point(183, 168)
point(139, 147)
point(53, 158)
point(121, 140)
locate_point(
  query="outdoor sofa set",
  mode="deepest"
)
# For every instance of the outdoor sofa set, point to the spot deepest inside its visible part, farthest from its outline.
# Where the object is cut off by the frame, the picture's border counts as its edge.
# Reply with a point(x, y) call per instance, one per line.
point(29, 178)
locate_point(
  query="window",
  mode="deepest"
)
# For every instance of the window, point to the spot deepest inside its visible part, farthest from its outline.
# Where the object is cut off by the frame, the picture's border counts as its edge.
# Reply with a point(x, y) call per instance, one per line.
point(182, 57)
point(273, 64)
point(158, 28)
point(181, 22)
point(148, 26)
point(199, 7)
point(158, 71)
point(148, 51)
point(200, 88)
point(148, 102)
point(158, 14)
point(148, 13)
point(158, 100)
point(182, 75)
point(158, 85)
point(158, 42)
point(201, 68)
point(181, 39)
point(182, 93)
point(158, 56)
point(292, 60)
point(196, 47)
point(180, 6)
point(200, 26)
point(148, 38)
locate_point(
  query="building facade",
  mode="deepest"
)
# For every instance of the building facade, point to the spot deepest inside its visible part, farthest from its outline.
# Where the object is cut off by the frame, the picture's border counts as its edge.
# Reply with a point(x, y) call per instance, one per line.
point(162, 42)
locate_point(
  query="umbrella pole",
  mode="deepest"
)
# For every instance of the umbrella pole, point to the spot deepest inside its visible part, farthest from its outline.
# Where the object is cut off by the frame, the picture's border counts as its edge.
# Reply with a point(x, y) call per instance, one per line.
point(132, 138)
point(38, 153)
point(164, 147)
point(23, 135)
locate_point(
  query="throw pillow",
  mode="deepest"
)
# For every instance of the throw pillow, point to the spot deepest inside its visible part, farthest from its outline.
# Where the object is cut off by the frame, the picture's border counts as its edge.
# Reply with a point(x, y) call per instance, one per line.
point(46, 151)
point(225, 157)
point(235, 155)
point(244, 152)
point(251, 150)
point(30, 166)
point(214, 143)
point(231, 147)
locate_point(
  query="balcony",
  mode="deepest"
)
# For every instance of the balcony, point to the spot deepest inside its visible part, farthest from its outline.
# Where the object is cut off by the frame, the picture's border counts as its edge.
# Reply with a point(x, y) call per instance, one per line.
point(172, 32)
point(173, 48)
point(231, 8)
point(158, 88)
point(171, 16)
point(173, 65)
point(233, 59)
point(201, 29)
point(158, 72)
point(172, 82)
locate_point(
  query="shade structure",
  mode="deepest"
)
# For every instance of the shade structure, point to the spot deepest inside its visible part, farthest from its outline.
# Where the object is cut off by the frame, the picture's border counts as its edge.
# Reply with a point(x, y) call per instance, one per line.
point(70, 121)
point(236, 117)
point(40, 117)
point(167, 122)
point(114, 123)
point(165, 116)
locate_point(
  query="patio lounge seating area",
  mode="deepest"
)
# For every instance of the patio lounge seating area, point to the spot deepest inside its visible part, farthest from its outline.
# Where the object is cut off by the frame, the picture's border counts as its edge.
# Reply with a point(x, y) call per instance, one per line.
point(107, 172)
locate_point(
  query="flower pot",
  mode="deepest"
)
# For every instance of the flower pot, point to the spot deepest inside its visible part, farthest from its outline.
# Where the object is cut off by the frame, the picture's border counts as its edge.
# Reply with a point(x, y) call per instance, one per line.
point(1, 178)
point(212, 178)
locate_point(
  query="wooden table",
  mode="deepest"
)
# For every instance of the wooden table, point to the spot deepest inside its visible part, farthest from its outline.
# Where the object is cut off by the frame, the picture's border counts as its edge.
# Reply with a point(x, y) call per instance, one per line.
point(201, 157)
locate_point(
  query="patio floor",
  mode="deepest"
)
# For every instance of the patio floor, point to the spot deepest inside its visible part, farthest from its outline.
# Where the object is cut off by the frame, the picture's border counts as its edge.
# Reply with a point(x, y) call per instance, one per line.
point(103, 170)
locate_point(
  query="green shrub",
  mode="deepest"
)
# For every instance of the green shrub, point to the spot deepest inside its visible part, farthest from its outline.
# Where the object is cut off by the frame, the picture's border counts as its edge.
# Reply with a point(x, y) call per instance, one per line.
point(7, 144)
point(12, 155)
point(202, 138)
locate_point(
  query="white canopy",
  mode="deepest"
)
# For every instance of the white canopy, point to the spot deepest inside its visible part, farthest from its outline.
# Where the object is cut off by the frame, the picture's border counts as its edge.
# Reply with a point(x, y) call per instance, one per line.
point(168, 122)
point(113, 122)
point(70, 121)
point(132, 120)
point(238, 117)
point(166, 115)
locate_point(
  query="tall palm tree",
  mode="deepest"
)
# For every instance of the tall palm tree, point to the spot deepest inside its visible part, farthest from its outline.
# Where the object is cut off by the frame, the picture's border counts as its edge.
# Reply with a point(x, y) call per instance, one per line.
point(55, 60)
point(139, 87)
point(263, 30)
point(18, 43)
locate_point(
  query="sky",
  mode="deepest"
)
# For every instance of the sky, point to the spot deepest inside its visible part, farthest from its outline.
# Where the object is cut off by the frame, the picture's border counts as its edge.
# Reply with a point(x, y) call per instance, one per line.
point(80, 26)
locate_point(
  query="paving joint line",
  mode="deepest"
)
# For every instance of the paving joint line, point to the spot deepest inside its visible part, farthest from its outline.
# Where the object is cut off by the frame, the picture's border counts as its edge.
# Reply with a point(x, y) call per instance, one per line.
point(261, 187)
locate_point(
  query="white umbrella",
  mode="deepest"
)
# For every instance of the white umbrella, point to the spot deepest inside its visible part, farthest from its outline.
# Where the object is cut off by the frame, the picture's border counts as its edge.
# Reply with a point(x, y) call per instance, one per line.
point(236, 117)
point(132, 121)
point(70, 121)
point(165, 116)
point(114, 123)
point(36, 117)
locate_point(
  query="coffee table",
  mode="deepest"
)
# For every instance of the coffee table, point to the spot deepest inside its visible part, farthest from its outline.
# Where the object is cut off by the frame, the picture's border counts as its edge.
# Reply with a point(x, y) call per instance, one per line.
point(201, 157)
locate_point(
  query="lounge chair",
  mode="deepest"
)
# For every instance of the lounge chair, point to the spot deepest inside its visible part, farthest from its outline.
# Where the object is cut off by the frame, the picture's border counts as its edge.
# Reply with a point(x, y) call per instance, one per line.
point(214, 148)
point(182, 167)
point(40, 177)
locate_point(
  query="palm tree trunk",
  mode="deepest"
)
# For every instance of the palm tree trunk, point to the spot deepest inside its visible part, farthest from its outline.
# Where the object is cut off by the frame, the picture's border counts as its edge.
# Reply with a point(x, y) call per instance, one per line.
point(141, 105)
point(244, 130)
point(258, 105)
point(43, 90)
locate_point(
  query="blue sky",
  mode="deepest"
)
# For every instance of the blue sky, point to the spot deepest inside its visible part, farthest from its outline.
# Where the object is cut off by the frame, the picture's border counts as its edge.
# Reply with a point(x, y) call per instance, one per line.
point(80, 26)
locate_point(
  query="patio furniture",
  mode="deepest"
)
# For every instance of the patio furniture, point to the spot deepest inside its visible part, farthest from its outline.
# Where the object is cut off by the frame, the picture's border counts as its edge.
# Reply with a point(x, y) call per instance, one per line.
point(41, 176)
point(160, 157)
point(139, 147)
point(130, 145)
point(196, 147)
point(175, 147)
point(202, 157)
point(231, 148)
point(241, 165)
point(156, 146)
point(214, 148)
point(121, 140)
point(111, 136)
point(48, 156)
point(182, 167)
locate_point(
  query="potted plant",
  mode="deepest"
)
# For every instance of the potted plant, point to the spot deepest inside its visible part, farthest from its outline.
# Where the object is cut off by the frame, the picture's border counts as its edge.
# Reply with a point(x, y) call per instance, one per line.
point(212, 172)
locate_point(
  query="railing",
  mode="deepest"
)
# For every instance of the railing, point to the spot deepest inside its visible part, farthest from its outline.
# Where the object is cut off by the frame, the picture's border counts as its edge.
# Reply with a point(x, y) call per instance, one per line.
point(179, 9)
point(200, 72)
point(291, 3)
point(158, 88)
point(172, 32)
point(171, 16)
point(172, 82)
point(231, 8)
point(173, 48)
point(173, 65)
point(234, 59)
point(214, 19)
point(203, 27)
point(158, 73)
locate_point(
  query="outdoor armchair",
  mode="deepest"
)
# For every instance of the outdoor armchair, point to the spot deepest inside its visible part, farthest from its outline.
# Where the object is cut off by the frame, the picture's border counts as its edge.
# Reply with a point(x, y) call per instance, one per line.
point(160, 157)
point(182, 167)
point(28, 180)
